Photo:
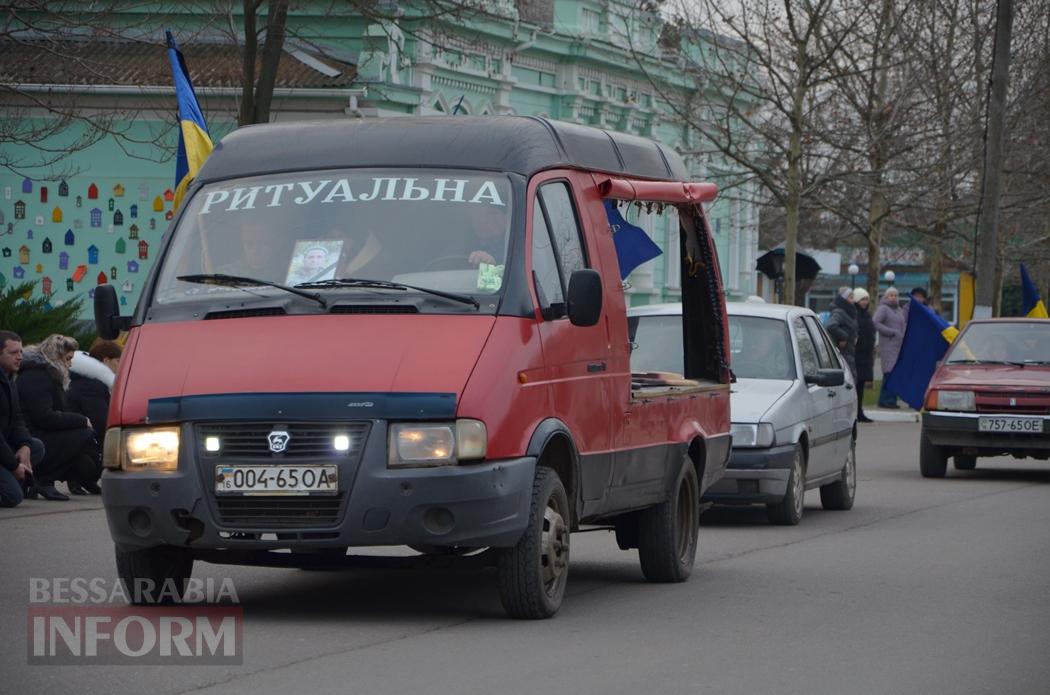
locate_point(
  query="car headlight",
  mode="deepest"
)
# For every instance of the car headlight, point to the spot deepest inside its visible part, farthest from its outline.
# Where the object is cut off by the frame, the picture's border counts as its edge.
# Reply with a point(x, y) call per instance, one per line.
point(956, 400)
point(155, 449)
point(758, 436)
point(443, 444)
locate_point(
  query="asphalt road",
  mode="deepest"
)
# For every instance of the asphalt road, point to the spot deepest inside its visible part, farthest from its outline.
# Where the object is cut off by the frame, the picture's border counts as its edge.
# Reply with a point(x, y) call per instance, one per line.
point(925, 586)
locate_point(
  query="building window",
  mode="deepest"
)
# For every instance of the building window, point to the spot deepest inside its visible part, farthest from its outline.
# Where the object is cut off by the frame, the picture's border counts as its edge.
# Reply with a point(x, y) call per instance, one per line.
point(591, 21)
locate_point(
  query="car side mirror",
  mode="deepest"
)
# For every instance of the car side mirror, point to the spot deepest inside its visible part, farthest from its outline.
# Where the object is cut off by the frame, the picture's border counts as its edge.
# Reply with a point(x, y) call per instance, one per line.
point(585, 297)
point(827, 377)
point(108, 321)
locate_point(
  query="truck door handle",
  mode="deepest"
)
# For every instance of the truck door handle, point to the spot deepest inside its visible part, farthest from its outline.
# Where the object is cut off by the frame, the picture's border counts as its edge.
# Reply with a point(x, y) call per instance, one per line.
point(596, 367)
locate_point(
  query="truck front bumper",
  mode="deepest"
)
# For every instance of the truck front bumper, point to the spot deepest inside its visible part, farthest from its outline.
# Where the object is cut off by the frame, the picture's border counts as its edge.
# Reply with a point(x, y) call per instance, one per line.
point(467, 505)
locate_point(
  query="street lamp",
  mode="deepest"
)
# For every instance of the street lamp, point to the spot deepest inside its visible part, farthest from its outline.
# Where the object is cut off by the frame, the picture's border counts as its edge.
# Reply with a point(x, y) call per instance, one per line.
point(890, 277)
point(853, 270)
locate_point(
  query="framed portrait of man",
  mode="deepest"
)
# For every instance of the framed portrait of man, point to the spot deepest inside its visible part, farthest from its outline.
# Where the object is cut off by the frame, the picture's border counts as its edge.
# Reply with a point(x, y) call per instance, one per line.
point(314, 260)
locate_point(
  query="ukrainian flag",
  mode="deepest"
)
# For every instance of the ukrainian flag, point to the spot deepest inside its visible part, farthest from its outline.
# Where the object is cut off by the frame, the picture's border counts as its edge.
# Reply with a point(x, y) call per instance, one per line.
point(926, 339)
point(1033, 306)
point(194, 142)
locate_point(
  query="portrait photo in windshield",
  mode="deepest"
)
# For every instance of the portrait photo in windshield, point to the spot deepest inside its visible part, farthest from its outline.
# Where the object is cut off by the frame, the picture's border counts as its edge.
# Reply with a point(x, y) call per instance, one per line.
point(442, 230)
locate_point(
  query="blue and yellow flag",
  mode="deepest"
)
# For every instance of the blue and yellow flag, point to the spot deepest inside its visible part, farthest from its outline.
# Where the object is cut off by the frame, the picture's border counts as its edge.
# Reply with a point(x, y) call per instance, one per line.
point(926, 339)
point(194, 142)
point(1032, 305)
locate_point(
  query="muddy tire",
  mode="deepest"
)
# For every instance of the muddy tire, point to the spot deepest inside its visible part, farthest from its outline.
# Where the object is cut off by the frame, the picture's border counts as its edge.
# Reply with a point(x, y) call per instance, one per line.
point(788, 511)
point(668, 533)
point(532, 574)
point(154, 575)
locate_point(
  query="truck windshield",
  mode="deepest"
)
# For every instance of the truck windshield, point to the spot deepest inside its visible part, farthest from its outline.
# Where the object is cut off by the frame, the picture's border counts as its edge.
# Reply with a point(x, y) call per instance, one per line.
point(439, 230)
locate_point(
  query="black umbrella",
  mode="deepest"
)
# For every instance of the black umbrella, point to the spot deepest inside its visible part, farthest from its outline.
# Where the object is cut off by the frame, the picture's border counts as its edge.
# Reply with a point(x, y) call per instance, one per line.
point(771, 264)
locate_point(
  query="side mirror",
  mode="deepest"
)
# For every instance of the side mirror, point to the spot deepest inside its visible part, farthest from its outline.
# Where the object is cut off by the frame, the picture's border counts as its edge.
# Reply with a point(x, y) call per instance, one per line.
point(585, 297)
point(827, 377)
point(108, 321)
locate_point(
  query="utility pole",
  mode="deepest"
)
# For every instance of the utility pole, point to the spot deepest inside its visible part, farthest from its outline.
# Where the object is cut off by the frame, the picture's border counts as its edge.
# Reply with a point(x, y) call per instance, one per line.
point(988, 224)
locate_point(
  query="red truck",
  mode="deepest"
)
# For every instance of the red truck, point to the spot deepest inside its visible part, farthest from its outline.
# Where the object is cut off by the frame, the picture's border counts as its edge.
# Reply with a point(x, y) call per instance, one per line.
point(413, 332)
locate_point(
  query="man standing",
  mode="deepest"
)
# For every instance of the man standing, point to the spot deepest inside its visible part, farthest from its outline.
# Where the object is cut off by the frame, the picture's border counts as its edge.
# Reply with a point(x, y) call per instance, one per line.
point(18, 450)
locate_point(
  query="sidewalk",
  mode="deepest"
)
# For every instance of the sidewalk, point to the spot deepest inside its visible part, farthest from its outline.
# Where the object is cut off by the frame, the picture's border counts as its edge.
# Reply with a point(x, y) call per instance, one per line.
point(905, 414)
point(41, 507)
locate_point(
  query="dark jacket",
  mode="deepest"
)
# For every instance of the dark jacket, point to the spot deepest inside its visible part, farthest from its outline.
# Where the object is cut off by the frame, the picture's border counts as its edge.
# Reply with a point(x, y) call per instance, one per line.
point(842, 326)
point(89, 397)
point(865, 353)
point(43, 398)
point(12, 426)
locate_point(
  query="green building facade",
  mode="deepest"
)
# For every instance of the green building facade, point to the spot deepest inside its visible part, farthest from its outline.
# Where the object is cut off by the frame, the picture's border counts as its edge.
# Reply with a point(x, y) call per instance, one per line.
point(98, 213)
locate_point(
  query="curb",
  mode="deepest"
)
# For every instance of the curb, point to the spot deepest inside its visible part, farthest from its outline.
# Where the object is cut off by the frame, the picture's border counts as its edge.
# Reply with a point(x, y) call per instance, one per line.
point(903, 415)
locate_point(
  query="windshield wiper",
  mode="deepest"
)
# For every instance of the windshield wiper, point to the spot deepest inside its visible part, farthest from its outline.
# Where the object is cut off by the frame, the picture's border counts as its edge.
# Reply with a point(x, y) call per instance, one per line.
point(241, 281)
point(387, 285)
point(1013, 364)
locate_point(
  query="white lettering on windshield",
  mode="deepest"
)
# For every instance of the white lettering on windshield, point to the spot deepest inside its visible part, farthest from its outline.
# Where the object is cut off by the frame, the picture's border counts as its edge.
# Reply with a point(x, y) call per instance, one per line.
point(383, 188)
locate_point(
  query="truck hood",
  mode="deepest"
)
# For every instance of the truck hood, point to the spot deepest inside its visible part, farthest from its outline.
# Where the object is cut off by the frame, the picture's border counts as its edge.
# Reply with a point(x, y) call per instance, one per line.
point(751, 398)
point(1002, 377)
point(302, 354)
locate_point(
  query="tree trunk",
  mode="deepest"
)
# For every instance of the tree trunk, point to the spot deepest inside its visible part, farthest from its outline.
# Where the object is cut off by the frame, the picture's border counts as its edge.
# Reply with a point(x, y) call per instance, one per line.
point(937, 271)
point(793, 203)
point(271, 58)
point(248, 65)
point(874, 264)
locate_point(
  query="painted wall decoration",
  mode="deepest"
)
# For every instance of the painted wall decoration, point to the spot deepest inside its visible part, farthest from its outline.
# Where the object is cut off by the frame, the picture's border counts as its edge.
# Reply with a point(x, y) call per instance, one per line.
point(27, 186)
point(158, 204)
point(101, 279)
point(68, 227)
point(110, 204)
point(169, 195)
point(128, 287)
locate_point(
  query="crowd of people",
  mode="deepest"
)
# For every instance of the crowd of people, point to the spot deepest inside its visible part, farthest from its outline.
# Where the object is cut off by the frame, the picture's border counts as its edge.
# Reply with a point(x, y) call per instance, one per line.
point(53, 404)
point(855, 330)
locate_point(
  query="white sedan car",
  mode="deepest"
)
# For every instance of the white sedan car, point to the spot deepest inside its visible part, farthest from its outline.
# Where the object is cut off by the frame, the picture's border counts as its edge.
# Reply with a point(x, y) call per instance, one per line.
point(793, 406)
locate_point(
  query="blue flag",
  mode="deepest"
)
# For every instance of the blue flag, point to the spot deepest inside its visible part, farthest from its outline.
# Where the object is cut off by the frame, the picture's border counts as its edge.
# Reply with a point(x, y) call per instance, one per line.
point(926, 339)
point(194, 142)
point(633, 245)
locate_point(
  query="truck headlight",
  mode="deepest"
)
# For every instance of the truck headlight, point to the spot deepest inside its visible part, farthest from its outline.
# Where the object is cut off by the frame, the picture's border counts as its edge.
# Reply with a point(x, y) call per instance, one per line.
point(155, 449)
point(956, 400)
point(749, 436)
point(439, 444)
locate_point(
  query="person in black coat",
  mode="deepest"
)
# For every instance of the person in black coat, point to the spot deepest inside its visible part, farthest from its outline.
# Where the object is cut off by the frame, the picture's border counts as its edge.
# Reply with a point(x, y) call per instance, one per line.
point(91, 379)
point(68, 437)
point(19, 451)
point(865, 353)
point(842, 327)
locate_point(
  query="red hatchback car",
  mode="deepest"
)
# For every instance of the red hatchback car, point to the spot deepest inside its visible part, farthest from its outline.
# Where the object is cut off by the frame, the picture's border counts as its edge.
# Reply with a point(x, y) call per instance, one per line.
point(989, 397)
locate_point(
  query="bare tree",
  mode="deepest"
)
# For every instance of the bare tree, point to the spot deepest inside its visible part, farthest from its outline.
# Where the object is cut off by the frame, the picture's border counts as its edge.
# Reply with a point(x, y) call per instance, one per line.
point(762, 69)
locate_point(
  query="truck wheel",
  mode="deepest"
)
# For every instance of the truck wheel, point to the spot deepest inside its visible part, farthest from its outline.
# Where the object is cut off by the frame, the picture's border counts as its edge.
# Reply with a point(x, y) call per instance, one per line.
point(933, 460)
point(964, 462)
point(788, 511)
point(533, 573)
point(668, 532)
point(154, 575)
point(839, 495)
